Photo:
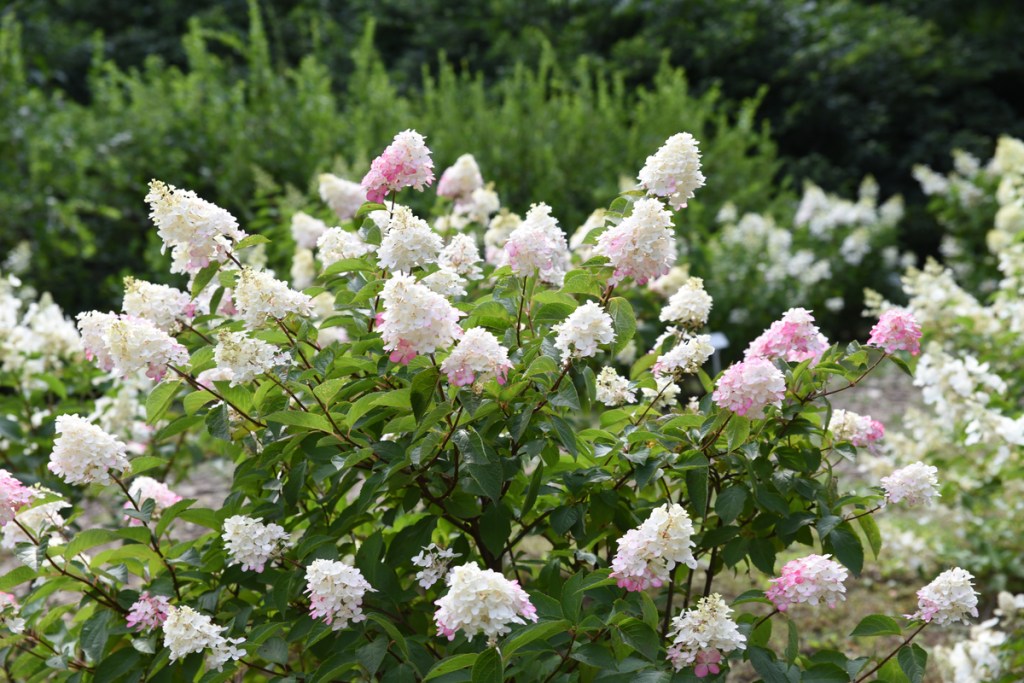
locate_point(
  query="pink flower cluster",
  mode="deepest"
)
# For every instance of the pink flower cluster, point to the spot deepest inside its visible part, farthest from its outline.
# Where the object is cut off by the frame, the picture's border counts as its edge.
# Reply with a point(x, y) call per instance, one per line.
point(747, 388)
point(13, 496)
point(405, 162)
point(794, 338)
point(809, 579)
point(897, 330)
point(148, 612)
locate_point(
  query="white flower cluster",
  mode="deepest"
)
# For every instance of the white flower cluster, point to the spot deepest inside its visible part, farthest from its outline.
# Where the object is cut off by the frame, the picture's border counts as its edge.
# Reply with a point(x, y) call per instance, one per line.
point(42, 341)
point(663, 395)
point(461, 256)
point(642, 246)
point(306, 230)
point(613, 389)
point(434, 562)
point(860, 430)
point(147, 488)
point(498, 231)
point(336, 592)
point(477, 357)
point(648, 553)
point(408, 242)
point(461, 179)
point(579, 335)
point(669, 283)
point(687, 357)
point(415, 319)
point(303, 269)
point(336, 244)
point(251, 543)
point(949, 598)
point(689, 305)
point(343, 196)
point(241, 358)
point(445, 282)
point(674, 170)
point(914, 484)
point(537, 247)
point(259, 297)
point(811, 579)
point(163, 306)
point(84, 453)
point(127, 345)
point(481, 601)
point(187, 632)
point(196, 231)
point(697, 631)
point(38, 520)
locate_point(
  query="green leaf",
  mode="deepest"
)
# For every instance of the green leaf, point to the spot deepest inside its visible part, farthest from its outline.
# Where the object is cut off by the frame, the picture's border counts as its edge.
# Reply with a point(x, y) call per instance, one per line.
point(766, 666)
point(89, 538)
point(901, 364)
point(640, 637)
point(847, 547)
point(117, 664)
point(870, 528)
point(912, 659)
point(218, 423)
point(729, 503)
point(481, 465)
point(877, 625)
point(737, 431)
point(825, 673)
point(762, 554)
point(144, 463)
point(196, 400)
point(392, 632)
point(488, 667)
point(274, 650)
point(326, 391)
point(95, 632)
point(252, 241)
point(422, 391)
point(203, 278)
point(533, 633)
point(160, 399)
point(450, 664)
point(623, 322)
point(16, 577)
point(297, 418)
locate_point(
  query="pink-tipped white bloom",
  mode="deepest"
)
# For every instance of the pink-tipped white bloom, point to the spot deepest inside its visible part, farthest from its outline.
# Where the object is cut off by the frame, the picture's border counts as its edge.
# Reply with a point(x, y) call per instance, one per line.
point(126, 345)
point(896, 330)
point(538, 247)
point(148, 612)
point(260, 297)
point(478, 356)
point(336, 593)
point(163, 306)
point(41, 521)
point(674, 170)
point(860, 430)
point(810, 579)
point(251, 543)
point(690, 305)
point(613, 389)
point(196, 231)
point(747, 388)
point(343, 196)
point(460, 179)
point(187, 632)
point(415, 319)
point(84, 453)
point(686, 357)
point(949, 598)
point(306, 230)
point(648, 553)
point(408, 242)
point(794, 338)
point(13, 496)
point(642, 246)
point(9, 611)
point(241, 358)
point(700, 636)
point(147, 488)
point(434, 563)
point(481, 601)
point(405, 162)
point(496, 237)
point(580, 334)
point(914, 485)
point(462, 256)
point(93, 326)
point(336, 244)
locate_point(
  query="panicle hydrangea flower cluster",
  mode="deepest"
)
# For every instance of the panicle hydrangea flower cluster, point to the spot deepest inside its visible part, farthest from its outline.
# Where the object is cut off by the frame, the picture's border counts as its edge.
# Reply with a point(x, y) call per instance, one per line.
point(481, 205)
point(481, 601)
point(405, 162)
point(896, 330)
point(126, 345)
point(537, 246)
point(303, 269)
point(810, 579)
point(336, 244)
point(664, 394)
point(147, 488)
point(259, 296)
point(415, 319)
point(447, 283)
point(914, 484)
point(794, 338)
point(948, 599)
point(669, 283)
point(700, 636)
point(408, 242)
point(686, 357)
point(579, 335)
point(689, 305)
point(642, 245)
point(163, 306)
point(336, 592)
point(860, 430)
point(434, 562)
point(251, 543)
point(306, 230)
point(241, 358)
point(84, 453)
point(674, 170)
point(13, 496)
point(196, 231)
point(496, 236)
point(343, 196)
point(461, 256)
point(613, 389)
point(37, 520)
point(148, 612)
point(648, 553)
point(9, 610)
point(747, 388)
point(461, 179)
point(477, 356)
point(187, 632)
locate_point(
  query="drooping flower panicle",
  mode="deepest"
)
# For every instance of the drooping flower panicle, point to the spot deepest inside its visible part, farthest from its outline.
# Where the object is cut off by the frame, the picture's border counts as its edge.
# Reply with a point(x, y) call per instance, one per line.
point(648, 553)
point(196, 231)
point(187, 631)
point(84, 453)
point(481, 601)
point(336, 592)
point(415, 320)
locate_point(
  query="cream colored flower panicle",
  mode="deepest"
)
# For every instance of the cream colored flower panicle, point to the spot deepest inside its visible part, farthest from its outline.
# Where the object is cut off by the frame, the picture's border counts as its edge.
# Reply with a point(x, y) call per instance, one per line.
point(187, 632)
point(84, 453)
point(690, 305)
point(260, 297)
point(648, 553)
point(343, 196)
point(642, 246)
point(674, 170)
point(163, 306)
point(948, 599)
point(613, 389)
point(686, 357)
point(415, 319)
point(251, 543)
point(701, 635)
point(481, 601)
point(445, 282)
point(537, 247)
point(408, 242)
point(42, 521)
point(244, 358)
point(306, 230)
point(498, 231)
point(462, 256)
point(336, 593)
point(127, 345)
point(477, 356)
point(579, 335)
point(460, 179)
point(336, 244)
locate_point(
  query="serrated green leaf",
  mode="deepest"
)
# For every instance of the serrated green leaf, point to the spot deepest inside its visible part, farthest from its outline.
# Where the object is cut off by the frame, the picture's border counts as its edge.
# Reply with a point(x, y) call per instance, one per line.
point(913, 659)
point(488, 667)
